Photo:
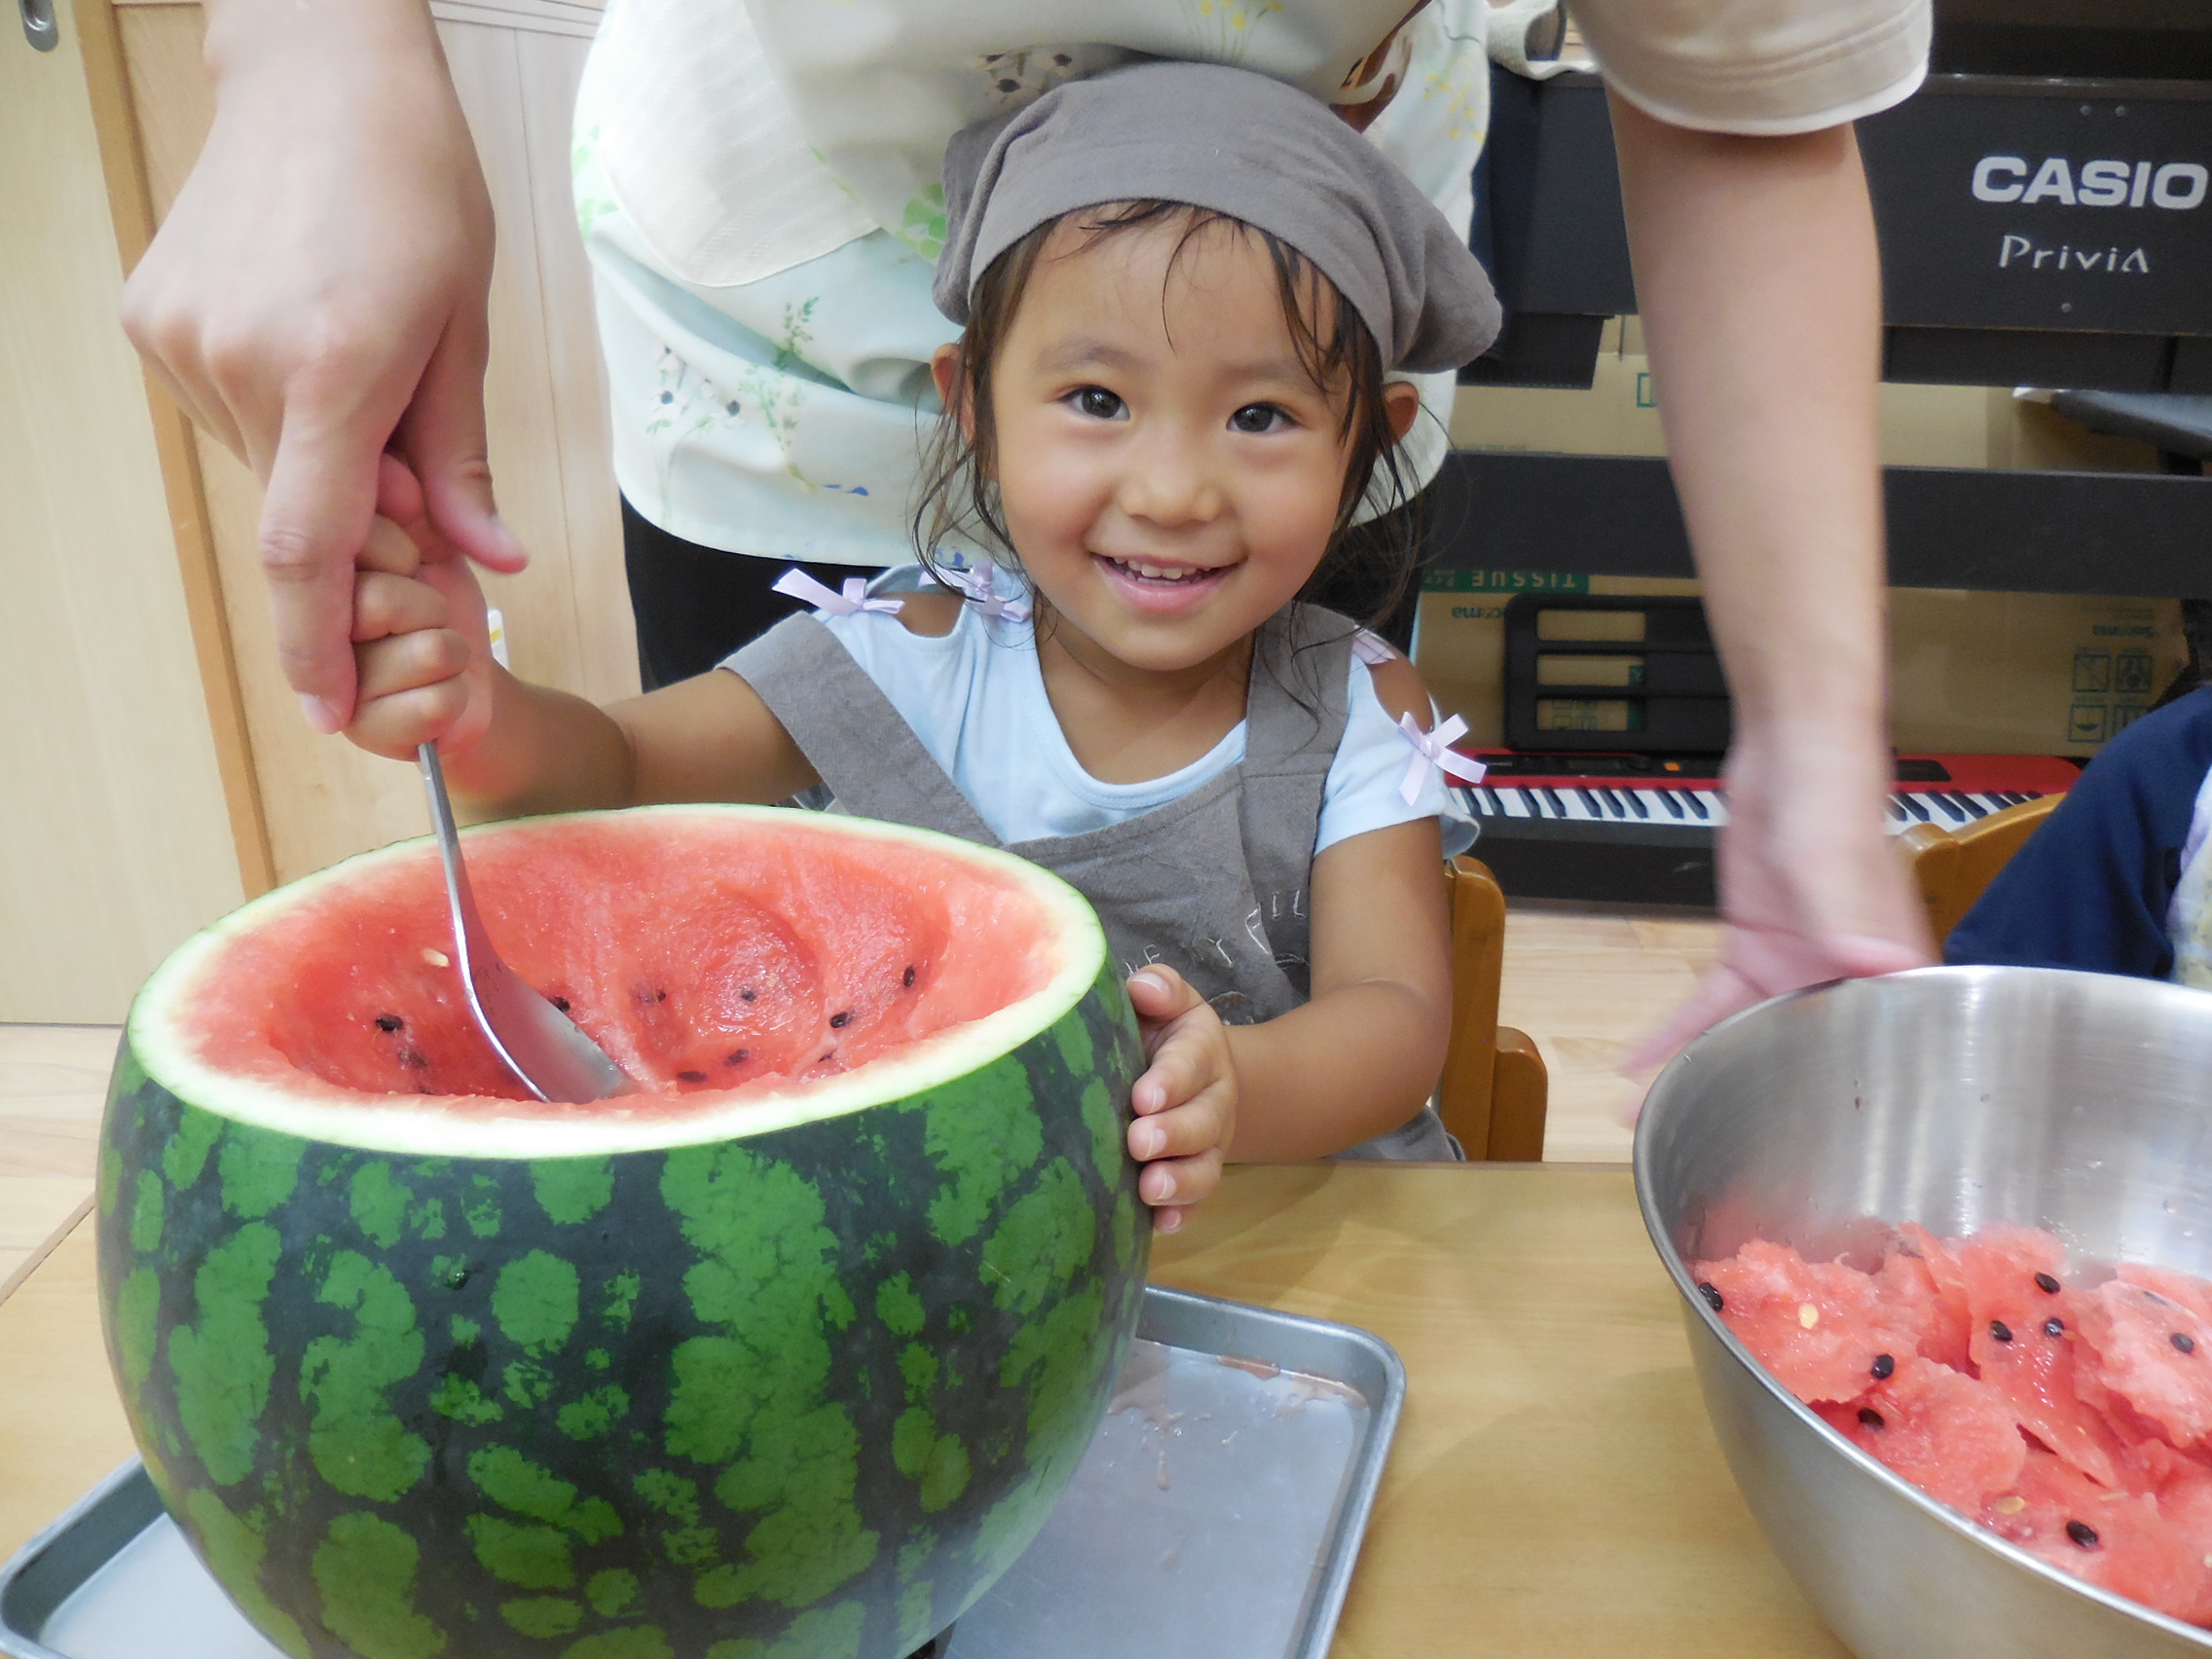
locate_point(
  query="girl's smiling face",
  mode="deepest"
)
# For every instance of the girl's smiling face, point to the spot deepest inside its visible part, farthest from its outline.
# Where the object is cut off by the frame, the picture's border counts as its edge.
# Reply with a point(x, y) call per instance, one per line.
point(1169, 473)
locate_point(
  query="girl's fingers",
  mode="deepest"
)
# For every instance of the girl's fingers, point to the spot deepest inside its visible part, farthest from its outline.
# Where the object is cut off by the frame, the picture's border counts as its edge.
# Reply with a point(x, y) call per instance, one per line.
point(389, 549)
point(393, 725)
point(1189, 1126)
point(1182, 1182)
point(1185, 1058)
point(386, 605)
point(1160, 995)
point(406, 662)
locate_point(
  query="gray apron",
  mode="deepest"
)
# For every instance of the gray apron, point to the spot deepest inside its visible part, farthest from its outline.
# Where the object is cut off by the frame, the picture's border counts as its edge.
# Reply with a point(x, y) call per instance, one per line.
point(1222, 896)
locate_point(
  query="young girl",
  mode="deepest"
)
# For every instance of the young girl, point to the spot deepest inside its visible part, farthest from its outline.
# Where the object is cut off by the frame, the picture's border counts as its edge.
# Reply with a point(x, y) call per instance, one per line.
point(1182, 288)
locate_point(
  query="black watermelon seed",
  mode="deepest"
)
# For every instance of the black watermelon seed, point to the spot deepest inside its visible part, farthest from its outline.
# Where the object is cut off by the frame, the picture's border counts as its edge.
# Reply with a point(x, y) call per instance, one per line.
point(1711, 1294)
point(1872, 1418)
point(2046, 1284)
point(839, 1019)
point(2082, 1534)
point(1884, 1365)
point(690, 1076)
point(2054, 1327)
point(747, 993)
point(2000, 1330)
point(661, 996)
point(737, 1056)
point(390, 1022)
point(561, 1003)
point(2183, 1340)
point(908, 978)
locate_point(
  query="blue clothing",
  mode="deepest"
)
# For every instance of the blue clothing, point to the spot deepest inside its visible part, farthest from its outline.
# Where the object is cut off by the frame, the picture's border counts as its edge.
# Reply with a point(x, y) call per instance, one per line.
point(2114, 880)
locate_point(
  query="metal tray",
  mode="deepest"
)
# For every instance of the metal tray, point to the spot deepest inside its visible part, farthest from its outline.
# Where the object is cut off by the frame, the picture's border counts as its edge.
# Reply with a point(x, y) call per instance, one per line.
point(1217, 1515)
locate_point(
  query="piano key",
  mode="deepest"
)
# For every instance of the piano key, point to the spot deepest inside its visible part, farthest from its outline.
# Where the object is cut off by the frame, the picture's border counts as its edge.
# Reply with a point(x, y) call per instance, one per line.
point(1696, 805)
point(1513, 803)
point(1914, 806)
point(1674, 806)
point(1590, 802)
point(1896, 810)
point(1636, 802)
point(1715, 806)
point(1550, 797)
point(1941, 802)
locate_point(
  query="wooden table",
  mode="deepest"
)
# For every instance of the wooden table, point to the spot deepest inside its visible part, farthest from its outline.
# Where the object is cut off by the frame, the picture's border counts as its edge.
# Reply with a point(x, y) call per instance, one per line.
point(1554, 1488)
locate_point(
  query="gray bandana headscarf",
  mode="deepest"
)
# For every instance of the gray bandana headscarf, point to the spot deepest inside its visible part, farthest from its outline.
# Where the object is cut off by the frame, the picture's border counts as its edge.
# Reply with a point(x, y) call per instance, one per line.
point(1238, 143)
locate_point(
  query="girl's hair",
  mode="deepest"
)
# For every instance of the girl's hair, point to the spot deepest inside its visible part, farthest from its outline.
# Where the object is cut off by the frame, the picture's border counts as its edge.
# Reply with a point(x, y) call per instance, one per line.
point(960, 493)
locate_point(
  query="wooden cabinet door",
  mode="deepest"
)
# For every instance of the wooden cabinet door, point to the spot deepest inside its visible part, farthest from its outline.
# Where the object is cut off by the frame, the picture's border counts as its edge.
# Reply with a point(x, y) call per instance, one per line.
point(115, 840)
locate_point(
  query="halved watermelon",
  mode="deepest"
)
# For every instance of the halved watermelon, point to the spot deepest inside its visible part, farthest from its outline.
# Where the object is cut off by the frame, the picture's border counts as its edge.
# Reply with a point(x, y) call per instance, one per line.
point(789, 1354)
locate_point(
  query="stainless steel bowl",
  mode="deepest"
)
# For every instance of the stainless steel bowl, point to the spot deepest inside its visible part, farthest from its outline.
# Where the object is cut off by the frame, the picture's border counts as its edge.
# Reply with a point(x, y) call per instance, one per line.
point(1954, 1097)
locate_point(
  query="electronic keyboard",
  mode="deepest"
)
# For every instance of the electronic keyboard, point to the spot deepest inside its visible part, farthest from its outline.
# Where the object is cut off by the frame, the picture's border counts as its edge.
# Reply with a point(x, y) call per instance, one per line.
point(1639, 829)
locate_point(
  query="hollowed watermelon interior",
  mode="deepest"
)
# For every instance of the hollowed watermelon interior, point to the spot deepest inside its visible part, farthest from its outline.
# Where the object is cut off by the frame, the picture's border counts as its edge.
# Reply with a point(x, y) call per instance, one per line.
point(717, 954)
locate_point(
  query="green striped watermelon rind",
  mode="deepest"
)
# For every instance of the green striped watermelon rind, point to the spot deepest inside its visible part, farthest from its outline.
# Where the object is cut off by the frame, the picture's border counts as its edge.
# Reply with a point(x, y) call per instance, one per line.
point(800, 1394)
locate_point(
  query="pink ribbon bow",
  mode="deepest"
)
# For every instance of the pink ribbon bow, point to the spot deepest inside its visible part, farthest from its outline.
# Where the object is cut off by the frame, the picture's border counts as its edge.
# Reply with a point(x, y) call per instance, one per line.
point(1434, 748)
point(829, 602)
point(978, 589)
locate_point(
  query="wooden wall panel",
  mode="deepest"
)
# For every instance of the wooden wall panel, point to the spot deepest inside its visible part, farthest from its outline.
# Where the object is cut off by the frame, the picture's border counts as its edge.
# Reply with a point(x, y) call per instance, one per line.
point(115, 842)
point(568, 615)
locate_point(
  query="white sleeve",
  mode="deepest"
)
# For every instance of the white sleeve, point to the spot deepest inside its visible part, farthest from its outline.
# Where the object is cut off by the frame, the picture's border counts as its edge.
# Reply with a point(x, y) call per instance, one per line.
point(1761, 67)
point(1366, 779)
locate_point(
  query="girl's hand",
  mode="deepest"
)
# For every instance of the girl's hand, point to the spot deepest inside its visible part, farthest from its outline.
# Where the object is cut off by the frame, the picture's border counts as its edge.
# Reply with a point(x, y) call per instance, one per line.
point(421, 648)
point(1186, 1100)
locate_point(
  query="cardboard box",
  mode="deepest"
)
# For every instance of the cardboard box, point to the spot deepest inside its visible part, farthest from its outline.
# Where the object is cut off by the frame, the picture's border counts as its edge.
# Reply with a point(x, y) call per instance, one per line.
point(1971, 672)
point(2025, 673)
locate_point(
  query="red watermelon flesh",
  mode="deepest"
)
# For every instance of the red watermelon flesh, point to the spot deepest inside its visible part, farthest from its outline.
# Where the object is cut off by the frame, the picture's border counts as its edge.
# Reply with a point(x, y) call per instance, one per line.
point(2112, 1538)
point(1819, 1326)
point(2086, 1410)
point(1951, 1436)
point(2153, 1350)
point(2025, 1339)
point(790, 956)
point(1934, 1311)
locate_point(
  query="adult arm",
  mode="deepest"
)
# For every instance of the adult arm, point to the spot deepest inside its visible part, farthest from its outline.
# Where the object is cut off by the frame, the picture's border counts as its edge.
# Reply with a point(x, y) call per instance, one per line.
point(318, 292)
point(1761, 300)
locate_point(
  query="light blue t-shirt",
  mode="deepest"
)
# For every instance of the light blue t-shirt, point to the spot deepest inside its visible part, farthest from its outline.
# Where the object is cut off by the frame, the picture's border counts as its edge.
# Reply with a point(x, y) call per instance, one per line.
point(977, 700)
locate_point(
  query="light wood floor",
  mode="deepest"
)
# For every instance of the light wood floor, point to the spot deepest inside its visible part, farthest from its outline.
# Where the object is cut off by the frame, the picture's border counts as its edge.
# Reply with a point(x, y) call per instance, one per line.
point(1582, 984)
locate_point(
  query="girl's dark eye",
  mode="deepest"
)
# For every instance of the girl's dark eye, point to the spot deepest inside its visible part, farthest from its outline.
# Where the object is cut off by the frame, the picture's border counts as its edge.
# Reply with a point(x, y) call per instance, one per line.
point(1099, 404)
point(1257, 417)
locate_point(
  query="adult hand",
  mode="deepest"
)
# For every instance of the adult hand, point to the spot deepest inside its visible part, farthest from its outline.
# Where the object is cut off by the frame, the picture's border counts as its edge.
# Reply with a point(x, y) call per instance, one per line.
point(1810, 891)
point(317, 291)
point(1757, 273)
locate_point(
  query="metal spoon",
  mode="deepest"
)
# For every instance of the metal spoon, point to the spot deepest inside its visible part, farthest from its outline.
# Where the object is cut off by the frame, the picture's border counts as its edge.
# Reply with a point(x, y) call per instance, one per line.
point(538, 1043)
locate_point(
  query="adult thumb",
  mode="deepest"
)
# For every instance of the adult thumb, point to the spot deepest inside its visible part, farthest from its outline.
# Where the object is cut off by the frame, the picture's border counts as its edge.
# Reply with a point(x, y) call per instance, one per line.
point(443, 439)
point(315, 517)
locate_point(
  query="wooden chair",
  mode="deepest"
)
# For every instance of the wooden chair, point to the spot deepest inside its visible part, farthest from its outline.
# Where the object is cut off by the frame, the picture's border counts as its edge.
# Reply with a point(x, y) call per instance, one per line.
point(1493, 1089)
point(1952, 866)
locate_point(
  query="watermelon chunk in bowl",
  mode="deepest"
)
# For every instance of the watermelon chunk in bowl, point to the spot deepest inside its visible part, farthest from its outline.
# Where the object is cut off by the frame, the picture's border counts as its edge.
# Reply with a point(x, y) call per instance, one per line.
point(789, 1353)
